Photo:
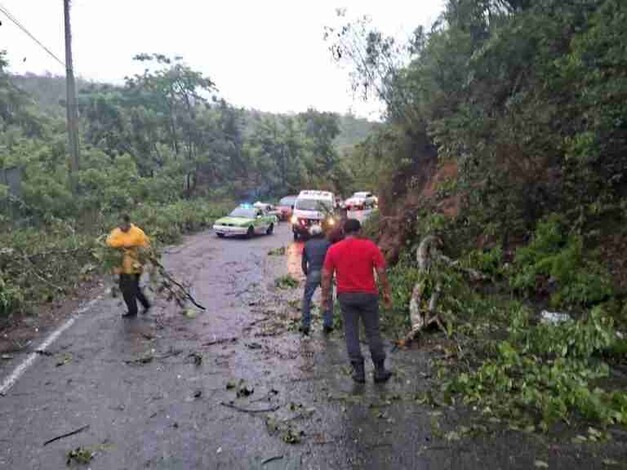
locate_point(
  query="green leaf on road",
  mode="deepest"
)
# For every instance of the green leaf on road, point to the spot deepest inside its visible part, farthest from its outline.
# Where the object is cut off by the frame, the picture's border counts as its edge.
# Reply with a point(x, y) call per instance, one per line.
point(79, 456)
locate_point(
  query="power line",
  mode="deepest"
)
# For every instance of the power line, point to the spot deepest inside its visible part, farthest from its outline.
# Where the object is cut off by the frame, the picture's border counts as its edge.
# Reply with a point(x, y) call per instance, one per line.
point(15, 21)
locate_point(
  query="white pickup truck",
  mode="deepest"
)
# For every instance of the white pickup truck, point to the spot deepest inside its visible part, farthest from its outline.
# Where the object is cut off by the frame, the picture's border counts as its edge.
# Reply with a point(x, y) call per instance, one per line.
point(361, 200)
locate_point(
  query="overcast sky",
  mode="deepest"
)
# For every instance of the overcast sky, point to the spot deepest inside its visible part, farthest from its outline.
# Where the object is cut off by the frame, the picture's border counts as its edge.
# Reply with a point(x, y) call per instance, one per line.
point(263, 54)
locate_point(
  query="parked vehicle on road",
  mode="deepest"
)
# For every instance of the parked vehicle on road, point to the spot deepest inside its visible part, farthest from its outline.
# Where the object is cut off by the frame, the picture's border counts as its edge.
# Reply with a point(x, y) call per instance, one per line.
point(361, 200)
point(268, 209)
point(313, 207)
point(286, 207)
point(245, 221)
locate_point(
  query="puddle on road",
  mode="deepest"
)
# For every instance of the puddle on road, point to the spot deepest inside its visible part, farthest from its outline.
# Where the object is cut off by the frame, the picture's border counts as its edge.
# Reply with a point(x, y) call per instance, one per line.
point(294, 253)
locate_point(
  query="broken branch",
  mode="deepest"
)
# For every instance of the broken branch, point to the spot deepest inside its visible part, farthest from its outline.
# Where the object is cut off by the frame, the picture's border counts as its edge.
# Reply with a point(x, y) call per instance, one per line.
point(63, 436)
point(248, 410)
point(166, 275)
point(33, 270)
point(220, 341)
point(429, 259)
point(272, 459)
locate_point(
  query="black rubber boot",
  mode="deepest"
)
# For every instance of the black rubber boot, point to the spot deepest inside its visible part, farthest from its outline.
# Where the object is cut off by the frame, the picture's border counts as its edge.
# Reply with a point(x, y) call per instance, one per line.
point(381, 374)
point(359, 372)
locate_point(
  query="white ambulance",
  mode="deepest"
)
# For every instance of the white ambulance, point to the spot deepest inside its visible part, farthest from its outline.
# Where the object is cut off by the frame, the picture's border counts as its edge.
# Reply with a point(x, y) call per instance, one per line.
point(313, 207)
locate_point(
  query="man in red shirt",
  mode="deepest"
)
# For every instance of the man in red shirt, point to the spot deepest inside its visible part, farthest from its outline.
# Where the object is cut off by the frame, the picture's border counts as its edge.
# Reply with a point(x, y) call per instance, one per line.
point(354, 261)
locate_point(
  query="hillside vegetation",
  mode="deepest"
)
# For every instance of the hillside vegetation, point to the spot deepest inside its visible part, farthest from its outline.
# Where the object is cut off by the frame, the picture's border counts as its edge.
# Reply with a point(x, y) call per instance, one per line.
point(48, 94)
point(163, 147)
point(504, 142)
point(505, 137)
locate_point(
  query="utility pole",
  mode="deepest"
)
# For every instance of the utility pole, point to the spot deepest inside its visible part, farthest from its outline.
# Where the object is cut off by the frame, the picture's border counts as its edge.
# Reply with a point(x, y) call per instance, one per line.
point(70, 101)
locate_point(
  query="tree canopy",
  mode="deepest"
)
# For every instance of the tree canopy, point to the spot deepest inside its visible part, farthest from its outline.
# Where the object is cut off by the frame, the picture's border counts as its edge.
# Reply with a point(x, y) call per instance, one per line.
point(164, 134)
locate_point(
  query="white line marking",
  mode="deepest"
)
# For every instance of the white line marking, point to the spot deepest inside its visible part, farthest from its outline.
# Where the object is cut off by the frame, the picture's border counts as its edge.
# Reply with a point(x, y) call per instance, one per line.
point(30, 359)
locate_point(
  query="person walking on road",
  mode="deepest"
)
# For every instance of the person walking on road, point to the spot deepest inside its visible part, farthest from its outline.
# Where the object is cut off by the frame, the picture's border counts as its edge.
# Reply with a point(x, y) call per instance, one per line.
point(353, 261)
point(130, 239)
point(314, 253)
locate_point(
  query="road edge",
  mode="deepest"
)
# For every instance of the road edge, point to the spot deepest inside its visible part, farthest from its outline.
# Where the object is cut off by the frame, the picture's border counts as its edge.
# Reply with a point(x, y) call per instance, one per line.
point(21, 368)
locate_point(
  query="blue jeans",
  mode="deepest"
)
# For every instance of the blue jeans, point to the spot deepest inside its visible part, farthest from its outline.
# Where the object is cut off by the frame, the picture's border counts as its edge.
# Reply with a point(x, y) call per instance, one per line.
point(313, 281)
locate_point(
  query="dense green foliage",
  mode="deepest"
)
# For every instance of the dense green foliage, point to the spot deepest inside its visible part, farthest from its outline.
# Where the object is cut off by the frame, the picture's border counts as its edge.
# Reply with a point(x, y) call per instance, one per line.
point(43, 262)
point(499, 356)
point(162, 146)
point(525, 101)
point(245, 153)
point(551, 255)
point(546, 373)
point(526, 97)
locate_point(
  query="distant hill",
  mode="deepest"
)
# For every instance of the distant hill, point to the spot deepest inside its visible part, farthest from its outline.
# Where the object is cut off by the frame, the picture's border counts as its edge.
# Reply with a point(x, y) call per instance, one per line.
point(353, 130)
point(49, 92)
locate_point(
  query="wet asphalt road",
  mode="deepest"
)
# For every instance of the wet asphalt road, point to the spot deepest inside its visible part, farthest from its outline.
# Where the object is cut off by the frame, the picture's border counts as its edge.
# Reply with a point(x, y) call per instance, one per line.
point(169, 412)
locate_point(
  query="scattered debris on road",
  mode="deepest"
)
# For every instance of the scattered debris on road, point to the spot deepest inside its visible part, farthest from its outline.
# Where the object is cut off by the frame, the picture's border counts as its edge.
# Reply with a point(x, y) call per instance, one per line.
point(43, 352)
point(190, 313)
point(272, 459)
point(302, 411)
point(277, 251)
point(244, 391)
point(221, 341)
point(267, 397)
point(80, 456)
point(63, 360)
point(289, 433)
point(67, 434)
point(148, 336)
point(286, 282)
point(196, 358)
point(249, 410)
point(144, 359)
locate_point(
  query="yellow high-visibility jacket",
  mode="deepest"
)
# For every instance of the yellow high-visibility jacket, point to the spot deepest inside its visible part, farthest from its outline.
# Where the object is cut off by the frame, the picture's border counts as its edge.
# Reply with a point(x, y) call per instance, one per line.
point(130, 242)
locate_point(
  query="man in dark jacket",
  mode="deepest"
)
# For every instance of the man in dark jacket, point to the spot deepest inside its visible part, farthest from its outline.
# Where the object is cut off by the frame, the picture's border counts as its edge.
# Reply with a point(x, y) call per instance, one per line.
point(354, 261)
point(314, 253)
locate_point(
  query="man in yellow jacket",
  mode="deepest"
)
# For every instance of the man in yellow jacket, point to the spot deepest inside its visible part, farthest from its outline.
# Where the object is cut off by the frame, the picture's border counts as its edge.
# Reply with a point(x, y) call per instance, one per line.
point(130, 239)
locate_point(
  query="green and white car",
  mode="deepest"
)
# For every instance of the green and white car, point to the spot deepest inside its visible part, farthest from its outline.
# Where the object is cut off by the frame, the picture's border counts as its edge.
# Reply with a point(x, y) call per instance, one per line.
point(245, 221)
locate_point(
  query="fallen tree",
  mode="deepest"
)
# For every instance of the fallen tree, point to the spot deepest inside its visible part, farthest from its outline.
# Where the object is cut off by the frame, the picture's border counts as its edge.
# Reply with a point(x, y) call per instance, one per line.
point(431, 264)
